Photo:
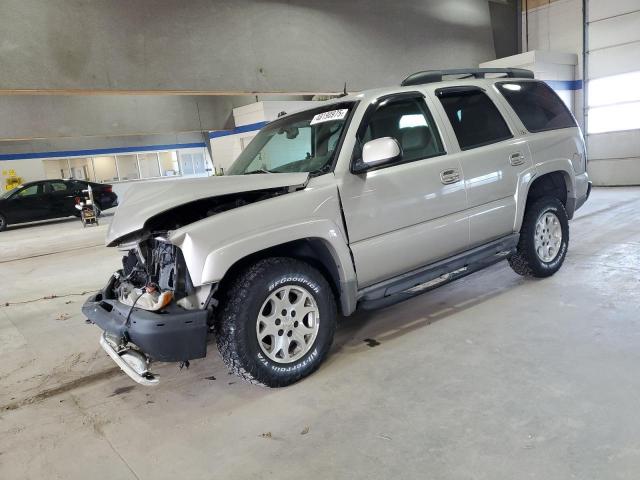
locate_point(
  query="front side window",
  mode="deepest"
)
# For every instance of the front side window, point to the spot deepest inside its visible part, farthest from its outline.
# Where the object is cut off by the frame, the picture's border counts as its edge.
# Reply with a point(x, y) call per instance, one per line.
point(410, 123)
point(537, 105)
point(475, 119)
point(29, 191)
point(303, 142)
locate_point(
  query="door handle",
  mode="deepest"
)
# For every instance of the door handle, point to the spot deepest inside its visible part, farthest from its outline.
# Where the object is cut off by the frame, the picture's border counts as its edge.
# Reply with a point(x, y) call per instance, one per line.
point(516, 159)
point(449, 176)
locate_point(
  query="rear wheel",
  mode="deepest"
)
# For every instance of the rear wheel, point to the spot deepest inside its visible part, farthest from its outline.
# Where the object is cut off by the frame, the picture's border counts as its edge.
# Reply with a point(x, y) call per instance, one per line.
point(544, 239)
point(3, 222)
point(277, 322)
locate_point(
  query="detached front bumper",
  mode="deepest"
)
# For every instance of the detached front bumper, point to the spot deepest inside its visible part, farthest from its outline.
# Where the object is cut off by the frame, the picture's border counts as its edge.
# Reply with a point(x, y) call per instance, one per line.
point(172, 335)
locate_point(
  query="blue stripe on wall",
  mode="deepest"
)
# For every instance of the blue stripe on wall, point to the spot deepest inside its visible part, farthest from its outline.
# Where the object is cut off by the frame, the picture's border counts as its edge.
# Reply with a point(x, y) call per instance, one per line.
point(564, 84)
point(98, 151)
point(252, 127)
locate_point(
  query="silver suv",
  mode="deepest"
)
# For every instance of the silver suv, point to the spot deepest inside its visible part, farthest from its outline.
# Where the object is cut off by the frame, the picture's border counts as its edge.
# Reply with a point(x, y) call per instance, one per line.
point(359, 202)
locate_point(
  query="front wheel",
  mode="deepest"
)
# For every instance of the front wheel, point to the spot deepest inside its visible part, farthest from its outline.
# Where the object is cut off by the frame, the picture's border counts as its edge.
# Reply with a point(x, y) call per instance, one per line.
point(544, 239)
point(3, 222)
point(277, 322)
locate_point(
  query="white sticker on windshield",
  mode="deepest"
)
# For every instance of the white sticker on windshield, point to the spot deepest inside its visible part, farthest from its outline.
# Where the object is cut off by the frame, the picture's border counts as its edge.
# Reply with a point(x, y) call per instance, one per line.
point(329, 116)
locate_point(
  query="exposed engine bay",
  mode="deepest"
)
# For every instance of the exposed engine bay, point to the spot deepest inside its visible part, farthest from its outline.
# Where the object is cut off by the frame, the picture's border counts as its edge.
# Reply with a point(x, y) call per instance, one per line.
point(154, 272)
point(153, 275)
point(192, 212)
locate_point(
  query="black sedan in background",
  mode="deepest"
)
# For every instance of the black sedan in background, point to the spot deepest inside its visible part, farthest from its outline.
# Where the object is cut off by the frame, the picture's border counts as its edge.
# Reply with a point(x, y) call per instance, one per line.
point(48, 199)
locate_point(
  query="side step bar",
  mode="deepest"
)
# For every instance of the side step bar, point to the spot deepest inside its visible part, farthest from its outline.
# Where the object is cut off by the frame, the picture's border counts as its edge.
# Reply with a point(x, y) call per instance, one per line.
point(427, 278)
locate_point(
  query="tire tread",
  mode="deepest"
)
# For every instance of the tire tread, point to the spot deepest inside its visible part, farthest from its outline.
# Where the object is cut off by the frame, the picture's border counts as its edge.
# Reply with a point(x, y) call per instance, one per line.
point(230, 324)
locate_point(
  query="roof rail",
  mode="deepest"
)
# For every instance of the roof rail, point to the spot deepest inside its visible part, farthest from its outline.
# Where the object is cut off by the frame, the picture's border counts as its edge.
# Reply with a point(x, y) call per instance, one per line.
point(431, 76)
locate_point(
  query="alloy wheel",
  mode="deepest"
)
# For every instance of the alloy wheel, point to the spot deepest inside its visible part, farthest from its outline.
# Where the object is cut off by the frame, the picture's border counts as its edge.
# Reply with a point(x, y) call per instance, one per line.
point(548, 237)
point(287, 325)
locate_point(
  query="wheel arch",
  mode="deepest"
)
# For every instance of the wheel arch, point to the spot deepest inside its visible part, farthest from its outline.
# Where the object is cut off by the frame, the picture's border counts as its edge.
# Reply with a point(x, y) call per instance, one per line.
point(557, 182)
point(315, 251)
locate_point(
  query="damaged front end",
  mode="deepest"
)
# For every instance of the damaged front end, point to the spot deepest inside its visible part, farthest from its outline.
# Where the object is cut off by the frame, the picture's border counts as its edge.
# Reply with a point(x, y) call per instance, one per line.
point(150, 310)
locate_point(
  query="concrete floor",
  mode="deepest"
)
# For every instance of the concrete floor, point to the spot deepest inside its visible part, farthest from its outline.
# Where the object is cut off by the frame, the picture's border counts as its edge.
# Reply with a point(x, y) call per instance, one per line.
point(491, 377)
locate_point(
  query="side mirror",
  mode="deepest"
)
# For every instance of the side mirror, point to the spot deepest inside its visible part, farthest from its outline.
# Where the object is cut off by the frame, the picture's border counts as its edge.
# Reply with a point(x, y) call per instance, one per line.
point(378, 152)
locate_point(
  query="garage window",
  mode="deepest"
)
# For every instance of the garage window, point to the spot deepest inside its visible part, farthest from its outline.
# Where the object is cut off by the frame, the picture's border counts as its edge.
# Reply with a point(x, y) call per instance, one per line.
point(475, 119)
point(614, 103)
point(537, 105)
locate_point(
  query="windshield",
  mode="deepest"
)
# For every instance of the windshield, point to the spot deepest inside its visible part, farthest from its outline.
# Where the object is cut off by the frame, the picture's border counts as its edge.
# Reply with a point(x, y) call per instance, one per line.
point(302, 142)
point(9, 193)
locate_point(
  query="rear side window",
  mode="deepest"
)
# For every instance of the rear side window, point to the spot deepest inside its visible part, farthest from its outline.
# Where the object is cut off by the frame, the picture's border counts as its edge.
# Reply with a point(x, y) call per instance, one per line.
point(475, 119)
point(57, 186)
point(537, 105)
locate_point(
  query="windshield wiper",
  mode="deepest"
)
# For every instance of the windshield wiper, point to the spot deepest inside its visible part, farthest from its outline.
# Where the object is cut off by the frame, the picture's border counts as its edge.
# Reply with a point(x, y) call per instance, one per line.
point(260, 170)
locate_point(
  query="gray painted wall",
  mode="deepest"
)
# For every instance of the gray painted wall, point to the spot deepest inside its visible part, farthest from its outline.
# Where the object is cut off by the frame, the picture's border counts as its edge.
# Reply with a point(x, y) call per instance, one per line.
point(504, 20)
point(54, 116)
point(235, 45)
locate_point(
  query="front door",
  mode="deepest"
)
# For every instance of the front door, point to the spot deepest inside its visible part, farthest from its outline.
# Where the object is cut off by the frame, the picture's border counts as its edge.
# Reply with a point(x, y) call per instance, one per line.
point(28, 204)
point(410, 213)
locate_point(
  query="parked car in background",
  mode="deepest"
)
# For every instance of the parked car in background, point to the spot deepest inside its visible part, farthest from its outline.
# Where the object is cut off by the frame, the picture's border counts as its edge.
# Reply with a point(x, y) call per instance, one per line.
point(47, 199)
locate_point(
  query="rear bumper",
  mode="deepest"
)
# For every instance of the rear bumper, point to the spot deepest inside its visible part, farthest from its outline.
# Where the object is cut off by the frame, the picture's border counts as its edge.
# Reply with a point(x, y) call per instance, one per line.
point(581, 201)
point(581, 195)
point(106, 200)
point(173, 335)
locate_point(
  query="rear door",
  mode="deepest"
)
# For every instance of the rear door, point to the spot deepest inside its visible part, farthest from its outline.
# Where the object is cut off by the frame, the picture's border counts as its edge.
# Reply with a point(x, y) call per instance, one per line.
point(410, 213)
point(493, 156)
point(61, 198)
point(28, 204)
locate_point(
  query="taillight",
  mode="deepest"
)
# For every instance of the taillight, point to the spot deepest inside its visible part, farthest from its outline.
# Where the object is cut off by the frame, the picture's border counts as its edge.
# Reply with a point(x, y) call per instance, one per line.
point(108, 189)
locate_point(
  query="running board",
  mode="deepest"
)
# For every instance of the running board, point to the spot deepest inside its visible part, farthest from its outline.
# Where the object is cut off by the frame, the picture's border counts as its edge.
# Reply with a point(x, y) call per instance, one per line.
point(427, 278)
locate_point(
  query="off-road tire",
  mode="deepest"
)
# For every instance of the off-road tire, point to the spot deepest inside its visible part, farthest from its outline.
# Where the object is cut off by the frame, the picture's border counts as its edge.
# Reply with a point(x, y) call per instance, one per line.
point(526, 261)
point(236, 321)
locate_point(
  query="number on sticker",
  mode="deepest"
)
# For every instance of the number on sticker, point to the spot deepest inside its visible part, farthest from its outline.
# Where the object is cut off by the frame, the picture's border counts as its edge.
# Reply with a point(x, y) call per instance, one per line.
point(329, 116)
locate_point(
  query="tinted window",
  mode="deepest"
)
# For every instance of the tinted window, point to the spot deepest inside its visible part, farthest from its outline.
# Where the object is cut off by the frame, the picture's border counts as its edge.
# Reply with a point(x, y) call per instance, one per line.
point(475, 119)
point(537, 105)
point(411, 124)
point(57, 186)
point(29, 191)
point(76, 185)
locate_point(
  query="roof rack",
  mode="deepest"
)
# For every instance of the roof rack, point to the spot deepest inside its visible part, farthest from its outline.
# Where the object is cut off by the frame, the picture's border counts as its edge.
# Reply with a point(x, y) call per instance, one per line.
point(431, 76)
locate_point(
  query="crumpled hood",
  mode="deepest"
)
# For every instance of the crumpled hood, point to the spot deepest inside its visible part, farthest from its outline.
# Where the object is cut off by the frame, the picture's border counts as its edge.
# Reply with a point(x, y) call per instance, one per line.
point(145, 200)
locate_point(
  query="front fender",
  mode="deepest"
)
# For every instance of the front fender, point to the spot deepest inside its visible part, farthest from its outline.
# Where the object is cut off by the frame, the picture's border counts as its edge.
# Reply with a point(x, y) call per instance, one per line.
point(213, 245)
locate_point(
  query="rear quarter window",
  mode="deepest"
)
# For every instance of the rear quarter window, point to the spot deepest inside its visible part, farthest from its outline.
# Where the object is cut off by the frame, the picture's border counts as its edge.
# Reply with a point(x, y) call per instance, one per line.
point(476, 121)
point(537, 105)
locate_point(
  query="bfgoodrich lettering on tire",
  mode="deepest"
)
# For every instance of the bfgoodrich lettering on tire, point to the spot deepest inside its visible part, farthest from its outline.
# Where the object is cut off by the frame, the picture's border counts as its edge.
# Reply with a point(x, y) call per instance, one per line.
point(544, 239)
point(276, 322)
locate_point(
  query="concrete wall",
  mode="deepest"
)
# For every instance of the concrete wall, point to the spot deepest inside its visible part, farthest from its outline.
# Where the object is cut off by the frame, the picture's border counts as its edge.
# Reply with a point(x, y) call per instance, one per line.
point(60, 116)
point(505, 30)
point(235, 45)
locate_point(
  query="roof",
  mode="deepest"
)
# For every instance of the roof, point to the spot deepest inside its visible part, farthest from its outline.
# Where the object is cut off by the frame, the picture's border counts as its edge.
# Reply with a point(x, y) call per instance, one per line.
point(368, 95)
